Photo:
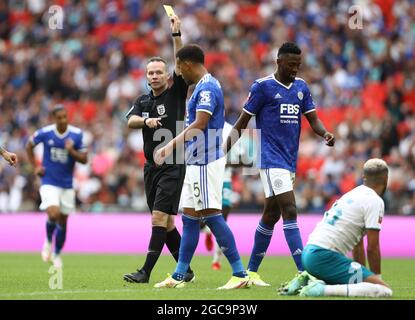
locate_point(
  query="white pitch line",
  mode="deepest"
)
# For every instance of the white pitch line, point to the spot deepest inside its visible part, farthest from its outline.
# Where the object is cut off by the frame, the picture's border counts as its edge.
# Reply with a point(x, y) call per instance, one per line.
point(63, 292)
point(53, 292)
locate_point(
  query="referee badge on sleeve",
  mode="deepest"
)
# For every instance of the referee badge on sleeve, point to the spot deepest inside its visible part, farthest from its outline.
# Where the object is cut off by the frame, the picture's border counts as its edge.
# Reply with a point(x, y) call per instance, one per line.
point(145, 114)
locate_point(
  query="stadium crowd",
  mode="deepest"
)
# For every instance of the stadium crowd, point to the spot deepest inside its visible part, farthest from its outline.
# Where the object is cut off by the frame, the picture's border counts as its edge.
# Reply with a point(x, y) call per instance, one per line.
point(362, 77)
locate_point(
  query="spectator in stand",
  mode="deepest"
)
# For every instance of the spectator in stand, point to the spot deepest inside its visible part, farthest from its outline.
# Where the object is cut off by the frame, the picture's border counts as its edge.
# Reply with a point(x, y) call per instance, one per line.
point(95, 67)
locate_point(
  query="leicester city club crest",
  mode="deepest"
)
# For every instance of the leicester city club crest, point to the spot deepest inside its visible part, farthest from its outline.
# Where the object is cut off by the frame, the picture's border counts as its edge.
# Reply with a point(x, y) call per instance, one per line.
point(161, 109)
point(300, 95)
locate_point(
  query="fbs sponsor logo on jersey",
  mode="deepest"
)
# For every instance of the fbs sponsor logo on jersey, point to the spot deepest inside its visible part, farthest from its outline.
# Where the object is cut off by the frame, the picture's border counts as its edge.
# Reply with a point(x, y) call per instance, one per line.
point(289, 111)
point(161, 109)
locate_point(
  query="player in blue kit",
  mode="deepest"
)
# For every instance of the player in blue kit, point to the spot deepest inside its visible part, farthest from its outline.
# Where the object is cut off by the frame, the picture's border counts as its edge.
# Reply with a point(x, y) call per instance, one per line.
point(205, 165)
point(278, 101)
point(62, 147)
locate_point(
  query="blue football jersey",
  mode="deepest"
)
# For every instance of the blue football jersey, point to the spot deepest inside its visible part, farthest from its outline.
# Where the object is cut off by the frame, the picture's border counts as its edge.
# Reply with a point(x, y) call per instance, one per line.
point(278, 109)
point(58, 163)
point(207, 97)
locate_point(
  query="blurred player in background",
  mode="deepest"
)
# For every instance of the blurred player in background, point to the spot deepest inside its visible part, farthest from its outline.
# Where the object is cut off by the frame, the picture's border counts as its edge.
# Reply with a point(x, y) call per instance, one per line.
point(10, 157)
point(357, 213)
point(278, 101)
point(161, 109)
point(62, 147)
point(202, 189)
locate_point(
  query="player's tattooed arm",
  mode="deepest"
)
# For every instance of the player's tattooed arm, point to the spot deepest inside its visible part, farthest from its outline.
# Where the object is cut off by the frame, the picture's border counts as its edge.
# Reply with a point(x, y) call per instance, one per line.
point(201, 122)
point(373, 251)
point(359, 253)
point(319, 128)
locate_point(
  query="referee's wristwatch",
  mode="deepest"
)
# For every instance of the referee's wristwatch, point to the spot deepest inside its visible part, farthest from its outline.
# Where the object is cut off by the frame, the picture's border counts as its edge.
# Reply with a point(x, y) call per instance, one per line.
point(176, 34)
point(145, 122)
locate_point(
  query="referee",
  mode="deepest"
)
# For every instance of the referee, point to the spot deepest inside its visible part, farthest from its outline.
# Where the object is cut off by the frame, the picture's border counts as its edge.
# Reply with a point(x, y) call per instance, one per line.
point(161, 109)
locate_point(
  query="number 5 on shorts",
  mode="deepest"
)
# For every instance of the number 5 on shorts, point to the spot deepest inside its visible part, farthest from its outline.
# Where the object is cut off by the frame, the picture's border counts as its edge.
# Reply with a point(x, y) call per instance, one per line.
point(196, 189)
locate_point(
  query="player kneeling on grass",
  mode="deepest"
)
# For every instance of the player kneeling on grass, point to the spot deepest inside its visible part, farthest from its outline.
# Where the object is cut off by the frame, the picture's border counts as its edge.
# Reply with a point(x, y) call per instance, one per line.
point(328, 271)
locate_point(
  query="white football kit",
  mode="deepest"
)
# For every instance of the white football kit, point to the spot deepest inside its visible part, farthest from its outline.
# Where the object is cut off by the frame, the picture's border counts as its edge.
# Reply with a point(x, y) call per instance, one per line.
point(348, 219)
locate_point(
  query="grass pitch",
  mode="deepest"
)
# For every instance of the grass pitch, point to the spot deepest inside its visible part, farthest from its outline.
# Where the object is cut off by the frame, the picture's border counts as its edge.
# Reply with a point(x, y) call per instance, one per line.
point(25, 276)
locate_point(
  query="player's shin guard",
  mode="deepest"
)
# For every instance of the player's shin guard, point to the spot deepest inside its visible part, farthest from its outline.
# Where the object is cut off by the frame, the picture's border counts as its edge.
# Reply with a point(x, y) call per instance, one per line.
point(263, 235)
point(226, 241)
point(293, 238)
point(60, 238)
point(50, 228)
point(188, 244)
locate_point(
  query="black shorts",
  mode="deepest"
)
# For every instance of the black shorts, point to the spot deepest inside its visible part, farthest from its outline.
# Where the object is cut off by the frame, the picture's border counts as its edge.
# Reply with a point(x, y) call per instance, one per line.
point(163, 186)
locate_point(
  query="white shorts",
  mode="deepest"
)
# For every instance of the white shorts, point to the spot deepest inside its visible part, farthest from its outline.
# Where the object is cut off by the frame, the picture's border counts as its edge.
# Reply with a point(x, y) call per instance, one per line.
point(59, 197)
point(276, 181)
point(202, 188)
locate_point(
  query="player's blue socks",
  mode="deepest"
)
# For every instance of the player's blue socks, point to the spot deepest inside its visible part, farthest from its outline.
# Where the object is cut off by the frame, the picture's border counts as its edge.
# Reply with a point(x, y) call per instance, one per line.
point(50, 228)
point(293, 238)
point(226, 241)
point(263, 235)
point(188, 244)
point(60, 238)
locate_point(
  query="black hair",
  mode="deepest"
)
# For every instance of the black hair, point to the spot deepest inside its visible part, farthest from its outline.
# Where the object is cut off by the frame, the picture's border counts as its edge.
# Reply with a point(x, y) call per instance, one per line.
point(192, 53)
point(289, 47)
point(153, 59)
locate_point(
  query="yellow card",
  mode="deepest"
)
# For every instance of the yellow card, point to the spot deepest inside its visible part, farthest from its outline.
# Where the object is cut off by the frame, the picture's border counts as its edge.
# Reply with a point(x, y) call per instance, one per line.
point(169, 10)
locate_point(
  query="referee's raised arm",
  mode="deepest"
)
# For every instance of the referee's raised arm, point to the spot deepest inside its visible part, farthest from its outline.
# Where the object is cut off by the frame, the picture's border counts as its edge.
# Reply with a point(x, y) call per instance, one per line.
point(177, 40)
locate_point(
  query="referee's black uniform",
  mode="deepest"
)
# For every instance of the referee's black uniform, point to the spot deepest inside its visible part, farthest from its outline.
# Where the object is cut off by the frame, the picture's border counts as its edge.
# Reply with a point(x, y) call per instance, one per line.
point(163, 184)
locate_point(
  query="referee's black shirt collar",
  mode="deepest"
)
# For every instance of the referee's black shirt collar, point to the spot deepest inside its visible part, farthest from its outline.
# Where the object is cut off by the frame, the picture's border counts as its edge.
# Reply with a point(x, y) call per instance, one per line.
point(160, 95)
